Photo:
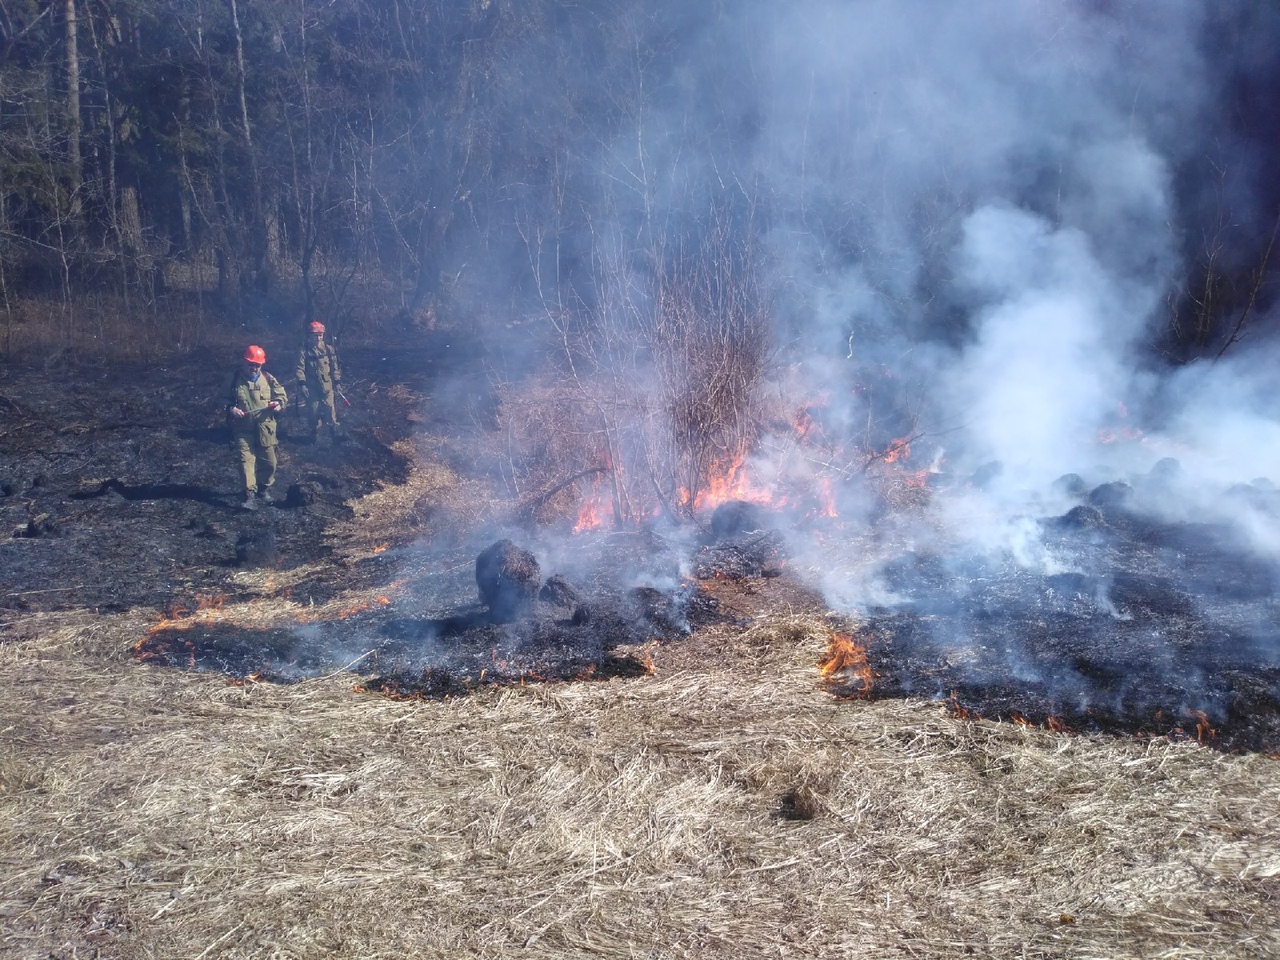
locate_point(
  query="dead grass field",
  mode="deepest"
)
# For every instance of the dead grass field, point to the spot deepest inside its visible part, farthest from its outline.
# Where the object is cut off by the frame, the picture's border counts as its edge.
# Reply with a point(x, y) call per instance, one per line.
point(725, 807)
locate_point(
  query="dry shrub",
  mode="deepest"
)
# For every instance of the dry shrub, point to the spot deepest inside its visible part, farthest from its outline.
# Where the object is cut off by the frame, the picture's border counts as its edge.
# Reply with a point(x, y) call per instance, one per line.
point(659, 390)
point(549, 432)
point(104, 328)
point(710, 340)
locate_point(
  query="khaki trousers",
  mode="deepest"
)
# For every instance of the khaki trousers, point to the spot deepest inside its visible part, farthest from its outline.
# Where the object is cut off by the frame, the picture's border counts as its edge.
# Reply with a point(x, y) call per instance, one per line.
point(320, 411)
point(257, 463)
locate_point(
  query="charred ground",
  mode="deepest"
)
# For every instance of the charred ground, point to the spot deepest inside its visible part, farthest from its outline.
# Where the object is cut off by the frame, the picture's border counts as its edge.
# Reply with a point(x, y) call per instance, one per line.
point(118, 492)
point(1150, 626)
point(119, 487)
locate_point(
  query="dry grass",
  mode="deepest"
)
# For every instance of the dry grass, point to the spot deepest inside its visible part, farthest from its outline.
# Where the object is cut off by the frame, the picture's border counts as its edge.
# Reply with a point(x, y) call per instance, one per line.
point(725, 807)
point(152, 813)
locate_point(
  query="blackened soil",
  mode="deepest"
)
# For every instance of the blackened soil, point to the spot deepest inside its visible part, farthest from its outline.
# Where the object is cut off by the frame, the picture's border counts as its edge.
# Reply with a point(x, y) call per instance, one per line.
point(118, 487)
point(407, 655)
point(434, 639)
point(1161, 627)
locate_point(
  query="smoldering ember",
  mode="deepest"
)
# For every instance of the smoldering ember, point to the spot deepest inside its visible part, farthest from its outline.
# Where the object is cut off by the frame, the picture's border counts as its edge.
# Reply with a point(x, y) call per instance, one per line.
point(871, 360)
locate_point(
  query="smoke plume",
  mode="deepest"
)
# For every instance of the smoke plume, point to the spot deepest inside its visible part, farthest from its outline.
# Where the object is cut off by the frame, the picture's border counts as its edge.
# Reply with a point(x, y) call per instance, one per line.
point(975, 224)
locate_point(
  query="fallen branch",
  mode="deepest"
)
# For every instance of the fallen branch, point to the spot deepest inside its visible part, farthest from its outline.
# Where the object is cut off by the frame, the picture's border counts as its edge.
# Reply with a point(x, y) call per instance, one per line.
point(528, 506)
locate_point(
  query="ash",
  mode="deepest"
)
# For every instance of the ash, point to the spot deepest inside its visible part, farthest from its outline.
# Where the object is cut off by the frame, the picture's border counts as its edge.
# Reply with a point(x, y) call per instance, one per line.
point(1131, 623)
point(451, 632)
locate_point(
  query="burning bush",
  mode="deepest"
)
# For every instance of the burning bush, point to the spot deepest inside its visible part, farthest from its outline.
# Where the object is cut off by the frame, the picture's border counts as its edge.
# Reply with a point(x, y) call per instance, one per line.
point(653, 393)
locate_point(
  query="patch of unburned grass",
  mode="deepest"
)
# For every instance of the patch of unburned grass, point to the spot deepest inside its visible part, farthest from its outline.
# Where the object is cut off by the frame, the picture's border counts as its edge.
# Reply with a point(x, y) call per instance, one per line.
point(733, 809)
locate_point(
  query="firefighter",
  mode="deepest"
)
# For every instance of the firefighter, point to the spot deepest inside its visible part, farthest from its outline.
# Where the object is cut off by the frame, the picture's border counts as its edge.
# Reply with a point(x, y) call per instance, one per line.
point(318, 380)
point(254, 397)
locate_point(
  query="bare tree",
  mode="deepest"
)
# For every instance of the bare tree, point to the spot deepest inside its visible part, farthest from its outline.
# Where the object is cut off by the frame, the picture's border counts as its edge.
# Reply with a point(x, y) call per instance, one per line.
point(73, 105)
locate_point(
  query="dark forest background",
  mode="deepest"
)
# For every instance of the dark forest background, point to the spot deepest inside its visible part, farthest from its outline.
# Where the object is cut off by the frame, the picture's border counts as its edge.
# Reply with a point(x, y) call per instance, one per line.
point(174, 171)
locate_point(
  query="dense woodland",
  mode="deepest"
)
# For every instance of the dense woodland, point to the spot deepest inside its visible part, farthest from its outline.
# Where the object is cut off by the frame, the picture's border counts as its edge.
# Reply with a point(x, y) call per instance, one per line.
point(264, 155)
point(176, 168)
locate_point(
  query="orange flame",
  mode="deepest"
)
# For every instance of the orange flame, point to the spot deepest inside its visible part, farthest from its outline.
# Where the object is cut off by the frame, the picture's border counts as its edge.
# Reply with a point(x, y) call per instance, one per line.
point(178, 617)
point(595, 507)
point(844, 666)
point(342, 613)
point(152, 647)
point(959, 710)
point(730, 479)
point(897, 450)
point(803, 423)
point(805, 426)
point(1204, 730)
point(827, 498)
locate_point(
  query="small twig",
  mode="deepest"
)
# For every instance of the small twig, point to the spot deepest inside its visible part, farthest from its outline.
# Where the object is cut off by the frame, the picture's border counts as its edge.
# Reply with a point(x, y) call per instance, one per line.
point(328, 676)
point(29, 593)
point(204, 953)
point(1237, 331)
point(17, 427)
point(662, 500)
point(892, 448)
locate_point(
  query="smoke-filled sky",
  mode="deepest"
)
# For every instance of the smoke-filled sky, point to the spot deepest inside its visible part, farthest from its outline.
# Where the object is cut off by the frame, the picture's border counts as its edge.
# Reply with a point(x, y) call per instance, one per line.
point(1006, 170)
point(994, 201)
point(970, 221)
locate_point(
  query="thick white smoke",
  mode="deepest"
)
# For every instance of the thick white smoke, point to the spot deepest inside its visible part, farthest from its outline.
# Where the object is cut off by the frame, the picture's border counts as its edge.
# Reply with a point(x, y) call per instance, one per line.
point(981, 198)
point(1052, 333)
point(972, 214)
point(993, 169)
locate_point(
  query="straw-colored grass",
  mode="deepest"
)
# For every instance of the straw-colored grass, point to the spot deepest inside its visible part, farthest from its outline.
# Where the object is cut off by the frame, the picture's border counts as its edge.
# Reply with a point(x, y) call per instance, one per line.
point(725, 807)
point(147, 812)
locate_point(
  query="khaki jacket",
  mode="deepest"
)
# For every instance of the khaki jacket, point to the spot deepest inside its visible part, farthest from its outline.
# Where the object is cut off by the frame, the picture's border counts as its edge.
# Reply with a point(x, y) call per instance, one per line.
point(318, 369)
point(253, 397)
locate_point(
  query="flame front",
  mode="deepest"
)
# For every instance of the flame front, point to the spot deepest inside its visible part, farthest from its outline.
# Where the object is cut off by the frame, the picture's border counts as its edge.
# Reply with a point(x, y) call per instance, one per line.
point(730, 479)
point(177, 617)
point(594, 507)
point(844, 667)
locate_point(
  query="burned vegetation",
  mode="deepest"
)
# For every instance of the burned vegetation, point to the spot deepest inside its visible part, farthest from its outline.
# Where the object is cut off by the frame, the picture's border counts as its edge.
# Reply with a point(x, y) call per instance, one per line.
point(509, 625)
point(1134, 624)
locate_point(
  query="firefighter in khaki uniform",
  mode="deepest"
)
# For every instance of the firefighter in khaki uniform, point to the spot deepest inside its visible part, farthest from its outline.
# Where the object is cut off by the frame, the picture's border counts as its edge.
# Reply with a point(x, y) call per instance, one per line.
point(254, 397)
point(318, 379)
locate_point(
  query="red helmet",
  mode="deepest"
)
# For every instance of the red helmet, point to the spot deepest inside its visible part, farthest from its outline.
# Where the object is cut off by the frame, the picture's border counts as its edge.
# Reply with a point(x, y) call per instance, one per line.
point(315, 326)
point(255, 354)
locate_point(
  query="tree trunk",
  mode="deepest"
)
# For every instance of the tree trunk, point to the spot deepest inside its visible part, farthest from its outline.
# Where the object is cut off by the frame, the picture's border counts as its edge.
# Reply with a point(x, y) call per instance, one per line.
point(73, 106)
point(257, 230)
